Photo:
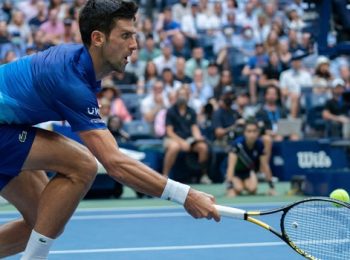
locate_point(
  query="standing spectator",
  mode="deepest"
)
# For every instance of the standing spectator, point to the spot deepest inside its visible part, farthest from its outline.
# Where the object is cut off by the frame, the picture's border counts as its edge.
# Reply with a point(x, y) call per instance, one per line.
point(180, 71)
point(196, 62)
point(292, 81)
point(166, 60)
point(154, 102)
point(149, 51)
point(245, 159)
point(183, 134)
point(336, 111)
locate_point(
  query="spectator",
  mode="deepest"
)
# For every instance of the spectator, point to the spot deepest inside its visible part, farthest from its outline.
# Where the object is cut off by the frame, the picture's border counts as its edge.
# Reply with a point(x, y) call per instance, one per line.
point(166, 60)
point(336, 111)
point(196, 62)
point(40, 17)
point(154, 102)
point(230, 22)
point(246, 43)
point(344, 73)
point(245, 159)
point(211, 75)
point(322, 71)
point(225, 80)
point(247, 18)
point(183, 134)
point(292, 81)
point(253, 70)
point(166, 24)
point(271, 112)
point(114, 125)
point(40, 43)
point(294, 21)
point(125, 78)
point(170, 84)
point(19, 30)
point(149, 51)
point(181, 9)
point(118, 108)
point(136, 66)
point(293, 41)
point(53, 28)
point(272, 42)
point(29, 8)
point(284, 54)
point(180, 48)
point(199, 88)
point(180, 71)
point(272, 72)
point(6, 11)
point(261, 31)
point(60, 7)
point(69, 33)
point(150, 77)
point(225, 118)
point(189, 24)
point(146, 29)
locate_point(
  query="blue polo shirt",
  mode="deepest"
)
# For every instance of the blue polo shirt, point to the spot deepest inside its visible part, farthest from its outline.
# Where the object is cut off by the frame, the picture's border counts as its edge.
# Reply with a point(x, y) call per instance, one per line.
point(56, 84)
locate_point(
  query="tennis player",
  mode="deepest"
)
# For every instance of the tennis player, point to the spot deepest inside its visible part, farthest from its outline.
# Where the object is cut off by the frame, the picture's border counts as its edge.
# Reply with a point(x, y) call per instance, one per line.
point(60, 84)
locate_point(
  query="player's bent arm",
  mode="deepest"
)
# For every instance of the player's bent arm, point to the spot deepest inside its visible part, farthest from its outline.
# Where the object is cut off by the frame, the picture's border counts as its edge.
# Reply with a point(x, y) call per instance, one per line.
point(142, 178)
point(265, 167)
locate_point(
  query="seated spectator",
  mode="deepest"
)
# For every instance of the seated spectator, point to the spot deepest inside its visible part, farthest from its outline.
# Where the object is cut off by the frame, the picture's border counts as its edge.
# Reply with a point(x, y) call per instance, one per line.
point(344, 73)
point(170, 84)
point(136, 66)
point(53, 28)
point(225, 119)
point(69, 34)
point(272, 42)
point(19, 30)
point(271, 112)
point(149, 51)
point(245, 159)
point(211, 75)
point(225, 80)
point(111, 93)
point(271, 72)
point(196, 62)
point(253, 70)
point(180, 9)
point(166, 60)
point(154, 102)
point(293, 41)
point(199, 88)
point(284, 54)
point(183, 134)
point(261, 31)
point(29, 8)
point(292, 81)
point(114, 125)
point(40, 17)
point(180, 48)
point(322, 70)
point(166, 24)
point(336, 111)
point(180, 71)
point(150, 78)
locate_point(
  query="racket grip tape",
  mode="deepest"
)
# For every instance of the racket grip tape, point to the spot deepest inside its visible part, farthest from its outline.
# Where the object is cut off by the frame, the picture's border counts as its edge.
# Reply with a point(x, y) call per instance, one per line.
point(230, 212)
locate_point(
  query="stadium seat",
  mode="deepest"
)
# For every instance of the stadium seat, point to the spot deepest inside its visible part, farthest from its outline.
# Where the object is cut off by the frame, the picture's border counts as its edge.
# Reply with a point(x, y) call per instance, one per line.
point(132, 102)
point(138, 129)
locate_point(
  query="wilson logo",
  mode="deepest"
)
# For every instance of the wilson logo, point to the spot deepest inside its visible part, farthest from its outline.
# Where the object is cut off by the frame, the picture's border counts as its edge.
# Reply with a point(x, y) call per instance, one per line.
point(319, 159)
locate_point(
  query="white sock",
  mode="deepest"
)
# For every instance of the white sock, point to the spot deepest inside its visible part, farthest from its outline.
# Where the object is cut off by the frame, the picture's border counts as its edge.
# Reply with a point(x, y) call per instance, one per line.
point(38, 247)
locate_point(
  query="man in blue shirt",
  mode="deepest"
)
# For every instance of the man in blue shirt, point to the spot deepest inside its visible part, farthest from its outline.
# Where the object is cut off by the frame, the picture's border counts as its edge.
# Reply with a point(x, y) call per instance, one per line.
point(60, 84)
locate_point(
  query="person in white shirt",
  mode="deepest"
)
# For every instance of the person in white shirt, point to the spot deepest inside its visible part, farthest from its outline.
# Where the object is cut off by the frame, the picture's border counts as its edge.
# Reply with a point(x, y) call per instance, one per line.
point(292, 81)
point(166, 60)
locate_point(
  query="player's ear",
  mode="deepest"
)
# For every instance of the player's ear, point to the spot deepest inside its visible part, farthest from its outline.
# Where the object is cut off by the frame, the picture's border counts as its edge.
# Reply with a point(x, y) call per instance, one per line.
point(97, 39)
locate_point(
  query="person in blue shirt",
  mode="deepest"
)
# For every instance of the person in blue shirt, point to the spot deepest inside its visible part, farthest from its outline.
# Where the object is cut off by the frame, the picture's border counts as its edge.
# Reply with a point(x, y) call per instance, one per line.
point(245, 158)
point(60, 84)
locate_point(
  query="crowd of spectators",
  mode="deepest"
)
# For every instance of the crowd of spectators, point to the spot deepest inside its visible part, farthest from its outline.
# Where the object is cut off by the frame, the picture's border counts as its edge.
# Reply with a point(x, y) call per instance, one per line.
point(226, 60)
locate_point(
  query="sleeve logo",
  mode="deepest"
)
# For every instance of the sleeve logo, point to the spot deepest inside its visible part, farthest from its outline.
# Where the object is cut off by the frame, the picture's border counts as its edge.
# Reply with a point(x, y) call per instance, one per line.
point(93, 111)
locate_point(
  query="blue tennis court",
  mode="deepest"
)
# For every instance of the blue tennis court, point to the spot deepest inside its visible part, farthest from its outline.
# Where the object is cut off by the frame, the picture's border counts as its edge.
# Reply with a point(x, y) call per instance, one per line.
point(164, 233)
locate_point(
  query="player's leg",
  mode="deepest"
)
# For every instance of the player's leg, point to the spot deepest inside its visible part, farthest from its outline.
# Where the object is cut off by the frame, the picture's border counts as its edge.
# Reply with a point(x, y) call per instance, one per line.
point(76, 169)
point(172, 149)
point(24, 193)
point(251, 184)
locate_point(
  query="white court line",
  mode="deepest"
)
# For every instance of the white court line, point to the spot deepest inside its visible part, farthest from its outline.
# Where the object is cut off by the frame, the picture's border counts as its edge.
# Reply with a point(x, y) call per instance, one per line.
point(166, 248)
point(122, 216)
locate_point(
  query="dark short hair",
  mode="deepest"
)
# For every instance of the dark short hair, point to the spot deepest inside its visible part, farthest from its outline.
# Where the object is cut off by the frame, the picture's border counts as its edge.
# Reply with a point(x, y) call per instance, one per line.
point(101, 15)
point(251, 121)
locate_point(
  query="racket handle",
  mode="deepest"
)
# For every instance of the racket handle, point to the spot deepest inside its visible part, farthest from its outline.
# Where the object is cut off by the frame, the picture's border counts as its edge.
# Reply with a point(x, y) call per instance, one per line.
point(230, 212)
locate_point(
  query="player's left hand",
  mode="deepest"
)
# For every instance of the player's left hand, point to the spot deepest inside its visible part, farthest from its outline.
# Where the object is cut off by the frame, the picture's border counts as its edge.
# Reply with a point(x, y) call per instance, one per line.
point(201, 205)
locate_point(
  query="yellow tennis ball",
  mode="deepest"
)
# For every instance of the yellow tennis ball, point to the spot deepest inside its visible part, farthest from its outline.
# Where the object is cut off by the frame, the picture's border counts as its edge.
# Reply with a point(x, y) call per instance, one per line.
point(340, 194)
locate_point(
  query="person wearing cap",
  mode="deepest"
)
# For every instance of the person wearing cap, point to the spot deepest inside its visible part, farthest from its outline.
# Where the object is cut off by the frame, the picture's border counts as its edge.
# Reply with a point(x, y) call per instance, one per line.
point(293, 80)
point(336, 111)
point(322, 69)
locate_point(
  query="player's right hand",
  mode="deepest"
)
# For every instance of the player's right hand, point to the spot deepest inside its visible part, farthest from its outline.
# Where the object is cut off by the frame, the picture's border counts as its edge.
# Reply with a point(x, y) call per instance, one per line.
point(201, 205)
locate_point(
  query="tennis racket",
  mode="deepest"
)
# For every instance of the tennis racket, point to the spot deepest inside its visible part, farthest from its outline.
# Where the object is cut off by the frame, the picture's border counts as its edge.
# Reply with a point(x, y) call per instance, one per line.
point(316, 228)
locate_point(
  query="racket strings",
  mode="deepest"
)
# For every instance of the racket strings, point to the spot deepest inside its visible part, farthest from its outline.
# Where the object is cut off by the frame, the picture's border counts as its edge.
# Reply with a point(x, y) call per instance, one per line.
point(320, 229)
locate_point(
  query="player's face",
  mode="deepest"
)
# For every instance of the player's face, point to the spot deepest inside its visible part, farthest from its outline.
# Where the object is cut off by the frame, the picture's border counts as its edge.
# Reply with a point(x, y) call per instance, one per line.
point(120, 45)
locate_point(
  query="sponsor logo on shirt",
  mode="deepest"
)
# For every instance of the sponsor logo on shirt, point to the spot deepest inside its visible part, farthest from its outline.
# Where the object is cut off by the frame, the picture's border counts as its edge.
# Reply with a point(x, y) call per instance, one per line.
point(93, 111)
point(22, 136)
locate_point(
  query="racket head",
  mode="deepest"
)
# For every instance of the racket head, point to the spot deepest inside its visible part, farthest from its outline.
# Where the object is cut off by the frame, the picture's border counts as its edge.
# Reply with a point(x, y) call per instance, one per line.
point(318, 228)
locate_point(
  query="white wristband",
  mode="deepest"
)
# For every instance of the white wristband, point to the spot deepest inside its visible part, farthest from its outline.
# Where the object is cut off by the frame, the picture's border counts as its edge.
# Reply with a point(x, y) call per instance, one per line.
point(175, 191)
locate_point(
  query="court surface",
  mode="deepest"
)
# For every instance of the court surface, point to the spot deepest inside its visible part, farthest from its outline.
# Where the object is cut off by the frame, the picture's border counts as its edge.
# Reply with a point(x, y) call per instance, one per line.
point(160, 230)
